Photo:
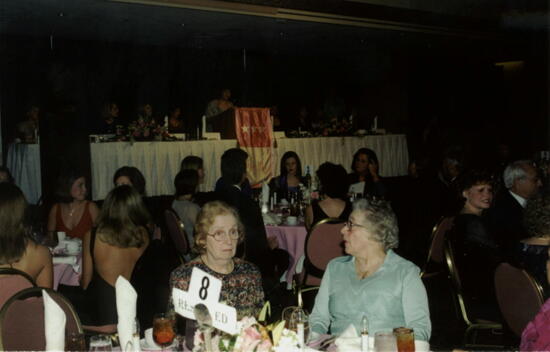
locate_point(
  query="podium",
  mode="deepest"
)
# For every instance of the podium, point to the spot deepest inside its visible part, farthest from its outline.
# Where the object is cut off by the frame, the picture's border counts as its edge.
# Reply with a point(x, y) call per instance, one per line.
point(223, 123)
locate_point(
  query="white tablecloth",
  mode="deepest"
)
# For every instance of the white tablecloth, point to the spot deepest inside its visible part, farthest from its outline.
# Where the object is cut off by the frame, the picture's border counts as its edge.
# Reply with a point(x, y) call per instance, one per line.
point(160, 161)
point(24, 164)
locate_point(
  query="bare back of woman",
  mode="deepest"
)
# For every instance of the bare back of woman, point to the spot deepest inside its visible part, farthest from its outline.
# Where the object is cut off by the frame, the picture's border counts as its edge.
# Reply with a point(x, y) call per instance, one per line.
point(111, 261)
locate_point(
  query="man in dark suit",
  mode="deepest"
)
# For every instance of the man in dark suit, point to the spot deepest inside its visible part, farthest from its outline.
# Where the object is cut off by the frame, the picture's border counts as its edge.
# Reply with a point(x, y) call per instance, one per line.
point(505, 218)
point(233, 167)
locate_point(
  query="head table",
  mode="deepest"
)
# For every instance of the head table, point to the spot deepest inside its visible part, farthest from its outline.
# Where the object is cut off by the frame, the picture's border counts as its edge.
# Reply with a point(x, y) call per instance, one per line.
point(160, 161)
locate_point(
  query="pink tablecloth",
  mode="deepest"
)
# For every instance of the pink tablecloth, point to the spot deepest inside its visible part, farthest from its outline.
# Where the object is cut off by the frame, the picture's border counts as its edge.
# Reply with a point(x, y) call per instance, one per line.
point(292, 240)
point(67, 274)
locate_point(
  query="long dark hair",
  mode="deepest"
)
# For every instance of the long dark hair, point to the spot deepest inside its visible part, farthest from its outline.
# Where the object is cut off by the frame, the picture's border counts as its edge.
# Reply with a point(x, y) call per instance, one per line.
point(368, 152)
point(65, 182)
point(134, 175)
point(286, 156)
point(14, 235)
point(123, 218)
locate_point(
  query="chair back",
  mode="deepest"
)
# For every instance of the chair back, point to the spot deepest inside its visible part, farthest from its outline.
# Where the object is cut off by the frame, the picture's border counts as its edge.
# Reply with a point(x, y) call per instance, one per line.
point(436, 252)
point(176, 230)
point(514, 285)
point(323, 243)
point(22, 320)
point(13, 281)
point(456, 281)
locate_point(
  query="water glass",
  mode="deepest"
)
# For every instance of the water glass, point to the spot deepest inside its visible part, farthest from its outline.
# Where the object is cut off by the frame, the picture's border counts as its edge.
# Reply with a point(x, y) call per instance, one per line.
point(101, 343)
point(384, 341)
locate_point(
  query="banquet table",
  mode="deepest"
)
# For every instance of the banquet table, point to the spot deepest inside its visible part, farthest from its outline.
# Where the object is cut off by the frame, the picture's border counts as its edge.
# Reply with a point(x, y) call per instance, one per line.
point(160, 161)
point(24, 164)
point(67, 274)
point(292, 240)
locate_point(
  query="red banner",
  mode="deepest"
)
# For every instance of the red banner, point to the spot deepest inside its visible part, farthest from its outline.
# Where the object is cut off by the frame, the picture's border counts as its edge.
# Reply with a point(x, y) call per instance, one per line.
point(254, 130)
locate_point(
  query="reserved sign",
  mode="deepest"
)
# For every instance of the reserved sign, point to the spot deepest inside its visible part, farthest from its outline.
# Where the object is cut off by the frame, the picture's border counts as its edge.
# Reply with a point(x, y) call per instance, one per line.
point(205, 288)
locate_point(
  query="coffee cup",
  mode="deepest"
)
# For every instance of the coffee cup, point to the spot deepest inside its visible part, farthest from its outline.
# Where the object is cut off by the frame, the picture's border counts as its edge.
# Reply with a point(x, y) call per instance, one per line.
point(292, 220)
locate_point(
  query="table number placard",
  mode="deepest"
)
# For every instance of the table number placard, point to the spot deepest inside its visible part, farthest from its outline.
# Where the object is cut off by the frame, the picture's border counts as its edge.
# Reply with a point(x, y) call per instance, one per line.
point(205, 288)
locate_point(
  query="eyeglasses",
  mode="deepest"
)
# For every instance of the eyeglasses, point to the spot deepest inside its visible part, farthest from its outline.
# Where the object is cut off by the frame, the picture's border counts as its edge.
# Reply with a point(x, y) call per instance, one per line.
point(233, 234)
point(350, 225)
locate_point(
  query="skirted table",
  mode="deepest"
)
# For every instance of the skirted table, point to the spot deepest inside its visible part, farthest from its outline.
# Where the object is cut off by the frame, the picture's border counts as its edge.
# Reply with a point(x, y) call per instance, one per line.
point(24, 164)
point(160, 161)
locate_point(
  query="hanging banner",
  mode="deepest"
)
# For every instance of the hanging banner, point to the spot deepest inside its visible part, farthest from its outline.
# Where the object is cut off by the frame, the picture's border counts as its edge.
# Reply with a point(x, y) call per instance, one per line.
point(254, 130)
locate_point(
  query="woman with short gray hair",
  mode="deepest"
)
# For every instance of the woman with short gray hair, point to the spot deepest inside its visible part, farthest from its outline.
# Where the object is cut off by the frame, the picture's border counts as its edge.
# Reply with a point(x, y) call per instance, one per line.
point(372, 281)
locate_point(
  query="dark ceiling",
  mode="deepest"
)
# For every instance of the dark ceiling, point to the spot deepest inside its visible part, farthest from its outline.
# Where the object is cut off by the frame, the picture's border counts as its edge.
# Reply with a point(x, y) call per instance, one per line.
point(229, 25)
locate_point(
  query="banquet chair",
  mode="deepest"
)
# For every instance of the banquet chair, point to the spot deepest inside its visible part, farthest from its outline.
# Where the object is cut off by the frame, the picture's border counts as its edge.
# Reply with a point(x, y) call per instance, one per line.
point(473, 323)
point(323, 243)
point(22, 324)
point(13, 281)
point(177, 233)
point(436, 253)
point(515, 285)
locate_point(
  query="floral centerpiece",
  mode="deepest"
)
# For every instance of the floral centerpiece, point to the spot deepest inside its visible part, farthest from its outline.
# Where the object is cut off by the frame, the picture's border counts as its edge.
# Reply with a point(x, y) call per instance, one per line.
point(251, 336)
point(142, 129)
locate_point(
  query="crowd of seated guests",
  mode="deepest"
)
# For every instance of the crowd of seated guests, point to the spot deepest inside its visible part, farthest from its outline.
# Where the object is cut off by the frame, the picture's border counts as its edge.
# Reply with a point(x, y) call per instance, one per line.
point(229, 238)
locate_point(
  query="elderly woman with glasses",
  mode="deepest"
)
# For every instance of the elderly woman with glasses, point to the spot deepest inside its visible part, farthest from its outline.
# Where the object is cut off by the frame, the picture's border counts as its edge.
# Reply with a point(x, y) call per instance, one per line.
point(218, 231)
point(372, 281)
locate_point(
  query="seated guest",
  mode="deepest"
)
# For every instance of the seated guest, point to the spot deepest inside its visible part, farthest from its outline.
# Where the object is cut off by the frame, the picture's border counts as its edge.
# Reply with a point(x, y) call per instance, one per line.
point(73, 214)
point(27, 130)
point(334, 203)
point(536, 335)
point(193, 162)
point(109, 119)
point(505, 218)
point(175, 123)
point(476, 252)
point(289, 178)
point(117, 246)
point(233, 167)
point(5, 175)
point(129, 175)
point(186, 183)
point(217, 232)
point(364, 179)
point(533, 251)
point(145, 113)
point(372, 281)
point(17, 248)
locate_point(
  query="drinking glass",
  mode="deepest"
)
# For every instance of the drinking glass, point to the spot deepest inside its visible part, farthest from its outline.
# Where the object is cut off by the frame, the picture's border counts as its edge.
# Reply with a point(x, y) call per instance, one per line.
point(164, 330)
point(384, 341)
point(75, 341)
point(405, 339)
point(101, 343)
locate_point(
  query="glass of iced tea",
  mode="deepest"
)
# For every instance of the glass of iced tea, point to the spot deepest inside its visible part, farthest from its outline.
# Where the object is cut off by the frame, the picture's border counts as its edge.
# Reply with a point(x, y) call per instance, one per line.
point(405, 339)
point(164, 330)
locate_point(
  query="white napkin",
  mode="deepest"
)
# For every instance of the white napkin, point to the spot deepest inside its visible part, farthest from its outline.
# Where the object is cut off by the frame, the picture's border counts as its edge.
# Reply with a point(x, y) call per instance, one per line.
point(349, 340)
point(70, 259)
point(126, 298)
point(54, 324)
